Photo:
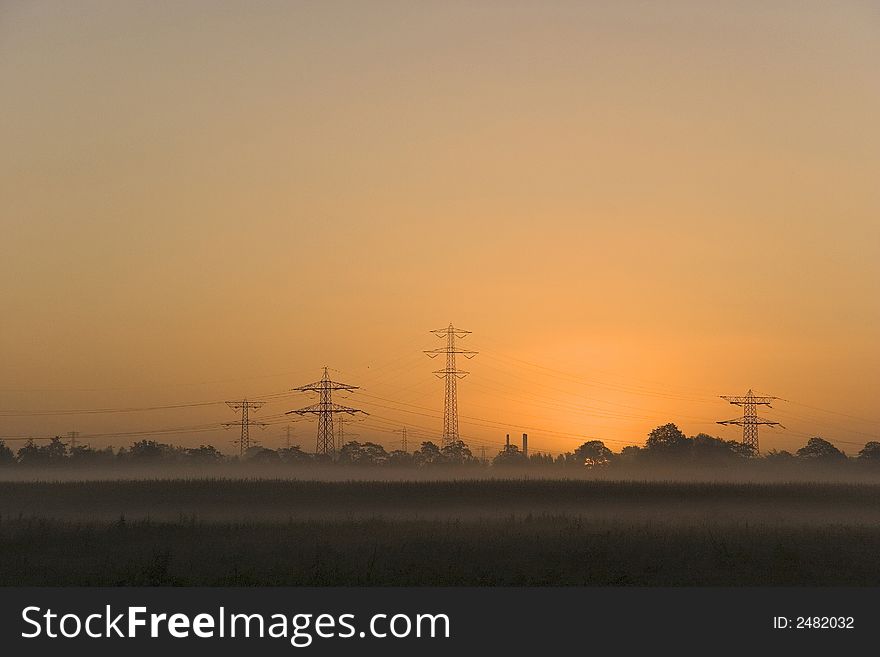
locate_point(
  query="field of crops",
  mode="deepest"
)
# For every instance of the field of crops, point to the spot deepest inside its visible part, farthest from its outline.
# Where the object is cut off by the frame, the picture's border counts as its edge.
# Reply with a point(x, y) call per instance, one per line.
point(476, 532)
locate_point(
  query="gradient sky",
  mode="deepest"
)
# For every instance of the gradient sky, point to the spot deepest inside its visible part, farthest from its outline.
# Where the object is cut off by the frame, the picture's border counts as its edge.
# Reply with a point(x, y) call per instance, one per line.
point(634, 206)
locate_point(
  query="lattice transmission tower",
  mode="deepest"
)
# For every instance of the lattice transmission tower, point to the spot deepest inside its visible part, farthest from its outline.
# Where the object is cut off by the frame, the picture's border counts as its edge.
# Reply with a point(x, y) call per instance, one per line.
point(243, 406)
point(750, 421)
point(451, 374)
point(342, 435)
point(403, 444)
point(325, 409)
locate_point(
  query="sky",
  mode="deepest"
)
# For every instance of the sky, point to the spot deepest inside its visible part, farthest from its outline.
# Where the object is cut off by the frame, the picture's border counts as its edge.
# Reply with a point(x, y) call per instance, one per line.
point(634, 206)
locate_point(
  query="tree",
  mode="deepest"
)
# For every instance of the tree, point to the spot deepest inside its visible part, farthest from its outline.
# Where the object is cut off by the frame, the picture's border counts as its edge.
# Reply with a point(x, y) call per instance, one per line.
point(6, 455)
point(203, 454)
point(294, 454)
point(668, 440)
point(85, 455)
point(56, 450)
point(427, 454)
point(257, 454)
point(870, 452)
point(31, 454)
point(375, 454)
point(355, 453)
point(779, 456)
point(456, 453)
point(706, 447)
point(149, 451)
point(818, 449)
point(593, 454)
point(400, 458)
point(631, 453)
point(510, 455)
point(537, 458)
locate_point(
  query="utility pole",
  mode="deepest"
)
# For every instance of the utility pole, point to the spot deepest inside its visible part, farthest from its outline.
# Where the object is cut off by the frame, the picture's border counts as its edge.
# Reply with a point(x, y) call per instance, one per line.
point(750, 420)
point(325, 409)
point(244, 442)
point(451, 374)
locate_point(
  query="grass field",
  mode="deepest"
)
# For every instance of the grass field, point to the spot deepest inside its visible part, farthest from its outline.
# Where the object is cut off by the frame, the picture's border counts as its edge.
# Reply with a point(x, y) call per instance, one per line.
point(478, 532)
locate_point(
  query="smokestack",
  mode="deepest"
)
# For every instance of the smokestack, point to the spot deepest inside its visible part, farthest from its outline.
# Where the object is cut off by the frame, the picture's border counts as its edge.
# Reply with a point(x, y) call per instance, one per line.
point(507, 442)
point(525, 445)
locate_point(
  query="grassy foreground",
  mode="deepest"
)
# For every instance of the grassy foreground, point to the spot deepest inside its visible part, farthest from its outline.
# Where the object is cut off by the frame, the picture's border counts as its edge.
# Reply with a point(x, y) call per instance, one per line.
point(438, 533)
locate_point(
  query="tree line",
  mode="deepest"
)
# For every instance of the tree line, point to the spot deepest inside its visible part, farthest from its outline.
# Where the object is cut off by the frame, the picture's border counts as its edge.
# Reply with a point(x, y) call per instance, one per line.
point(665, 444)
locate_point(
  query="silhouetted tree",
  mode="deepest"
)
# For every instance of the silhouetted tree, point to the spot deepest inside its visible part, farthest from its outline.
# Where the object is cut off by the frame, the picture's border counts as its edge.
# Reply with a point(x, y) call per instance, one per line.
point(708, 448)
point(257, 454)
point(294, 455)
point(631, 453)
point(593, 454)
point(818, 449)
point(203, 454)
point(55, 453)
point(355, 453)
point(6, 455)
point(399, 458)
point(56, 450)
point(85, 455)
point(870, 452)
point(30, 454)
point(667, 440)
point(779, 456)
point(509, 455)
point(537, 458)
point(148, 451)
point(426, 455)
point(456, 453)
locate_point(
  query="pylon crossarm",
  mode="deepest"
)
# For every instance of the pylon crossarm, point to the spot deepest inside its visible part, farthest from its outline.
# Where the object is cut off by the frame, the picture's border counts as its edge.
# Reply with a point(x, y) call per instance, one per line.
point(323, 407)
point(459, 333)
point(325, 385)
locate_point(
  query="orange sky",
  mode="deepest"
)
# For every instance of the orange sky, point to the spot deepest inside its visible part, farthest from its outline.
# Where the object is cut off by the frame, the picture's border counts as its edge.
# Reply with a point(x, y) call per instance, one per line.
point(634, 208)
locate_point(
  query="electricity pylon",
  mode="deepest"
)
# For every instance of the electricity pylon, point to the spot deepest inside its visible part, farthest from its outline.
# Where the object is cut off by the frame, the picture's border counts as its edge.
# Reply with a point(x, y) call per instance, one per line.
point(451, 374)
point(325, 409)
point(244, 442)
point(286, 435)
point(340, 434)
point(750, 420)
point(72, 438)
point(402, 432)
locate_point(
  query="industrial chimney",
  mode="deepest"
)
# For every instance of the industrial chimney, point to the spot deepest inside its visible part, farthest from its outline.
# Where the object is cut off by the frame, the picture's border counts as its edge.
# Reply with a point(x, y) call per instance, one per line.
point(525, 449)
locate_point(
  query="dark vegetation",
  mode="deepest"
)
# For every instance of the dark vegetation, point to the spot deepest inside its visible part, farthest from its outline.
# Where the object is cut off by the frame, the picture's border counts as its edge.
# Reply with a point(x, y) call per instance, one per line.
point(477, 532)
point(665, 445)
